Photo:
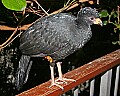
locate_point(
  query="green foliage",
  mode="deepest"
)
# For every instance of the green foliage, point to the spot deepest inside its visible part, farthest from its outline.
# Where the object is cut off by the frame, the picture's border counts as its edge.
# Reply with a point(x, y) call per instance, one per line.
point(111, 17)
point(17, 5)
point(104, 13)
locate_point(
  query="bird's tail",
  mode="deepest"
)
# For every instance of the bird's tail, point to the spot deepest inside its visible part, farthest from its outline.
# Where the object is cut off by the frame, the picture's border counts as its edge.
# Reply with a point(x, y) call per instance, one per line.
point(22, 71)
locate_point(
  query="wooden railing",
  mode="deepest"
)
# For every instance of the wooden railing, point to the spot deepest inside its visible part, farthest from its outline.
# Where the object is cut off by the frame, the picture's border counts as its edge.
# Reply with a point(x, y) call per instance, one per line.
point(81, 74)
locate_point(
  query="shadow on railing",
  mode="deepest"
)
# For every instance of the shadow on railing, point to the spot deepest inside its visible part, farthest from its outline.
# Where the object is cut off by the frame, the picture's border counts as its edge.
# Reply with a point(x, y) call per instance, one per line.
point(82, 74)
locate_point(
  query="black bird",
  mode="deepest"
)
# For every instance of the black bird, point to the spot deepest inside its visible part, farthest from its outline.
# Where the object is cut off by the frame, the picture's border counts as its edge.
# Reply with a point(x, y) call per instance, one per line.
point(54, 37)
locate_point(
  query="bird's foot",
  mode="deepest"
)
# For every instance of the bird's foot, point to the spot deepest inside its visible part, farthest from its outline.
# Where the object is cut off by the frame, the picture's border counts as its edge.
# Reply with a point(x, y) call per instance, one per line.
point(63, 80)
point(55, 84)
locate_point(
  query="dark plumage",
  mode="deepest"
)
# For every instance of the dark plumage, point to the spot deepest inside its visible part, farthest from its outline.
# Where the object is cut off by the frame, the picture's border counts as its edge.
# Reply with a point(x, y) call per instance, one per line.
point(56, 36)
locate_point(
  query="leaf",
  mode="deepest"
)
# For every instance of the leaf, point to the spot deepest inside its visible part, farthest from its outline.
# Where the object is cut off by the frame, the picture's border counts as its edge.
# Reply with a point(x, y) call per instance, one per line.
point(17, 5)
point(114, 14)
point(103, 13)
point(117, 25)
point(105, 22)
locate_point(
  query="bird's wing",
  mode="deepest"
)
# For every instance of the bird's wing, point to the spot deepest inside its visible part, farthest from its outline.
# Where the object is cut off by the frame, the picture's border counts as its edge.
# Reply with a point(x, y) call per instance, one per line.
point(47, 35)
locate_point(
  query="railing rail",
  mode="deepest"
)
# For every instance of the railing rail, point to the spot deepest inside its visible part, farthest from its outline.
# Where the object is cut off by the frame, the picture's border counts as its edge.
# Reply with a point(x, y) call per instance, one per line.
point(81, 74)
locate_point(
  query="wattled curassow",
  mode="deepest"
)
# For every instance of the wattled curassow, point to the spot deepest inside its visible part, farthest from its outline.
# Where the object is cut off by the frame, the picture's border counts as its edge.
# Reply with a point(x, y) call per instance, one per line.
point(54, 37)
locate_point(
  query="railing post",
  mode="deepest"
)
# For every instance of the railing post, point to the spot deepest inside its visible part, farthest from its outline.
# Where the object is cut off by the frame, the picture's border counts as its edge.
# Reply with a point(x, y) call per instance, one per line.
point(76, 91)
point(92, 83)
point(106, 84)
point(117, 80)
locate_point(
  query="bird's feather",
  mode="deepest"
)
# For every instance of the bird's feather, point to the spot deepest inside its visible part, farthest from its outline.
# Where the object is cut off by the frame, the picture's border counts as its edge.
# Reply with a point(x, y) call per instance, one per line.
point(50, 35)
point(22, 71)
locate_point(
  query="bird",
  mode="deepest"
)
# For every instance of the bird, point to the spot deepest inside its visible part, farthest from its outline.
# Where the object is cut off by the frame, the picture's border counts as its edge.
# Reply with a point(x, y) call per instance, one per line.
point(54, 38)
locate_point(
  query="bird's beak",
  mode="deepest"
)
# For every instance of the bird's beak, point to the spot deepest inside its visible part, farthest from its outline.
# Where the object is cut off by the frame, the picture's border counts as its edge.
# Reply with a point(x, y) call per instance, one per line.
point(98, 21)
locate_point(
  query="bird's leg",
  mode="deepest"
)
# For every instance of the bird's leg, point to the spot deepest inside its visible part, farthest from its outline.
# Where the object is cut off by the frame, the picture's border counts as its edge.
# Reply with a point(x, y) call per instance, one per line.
point(52, 72)
point(61, 79)
point(53, 79)
point(59, 70)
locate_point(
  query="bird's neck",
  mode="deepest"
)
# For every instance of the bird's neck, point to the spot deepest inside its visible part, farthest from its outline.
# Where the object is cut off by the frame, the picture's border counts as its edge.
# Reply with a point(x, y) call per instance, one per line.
point(82, 23)
point(84, 32)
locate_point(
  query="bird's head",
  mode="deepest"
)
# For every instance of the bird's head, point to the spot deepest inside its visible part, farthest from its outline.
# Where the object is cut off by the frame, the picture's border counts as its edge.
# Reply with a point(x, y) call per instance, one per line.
point(89, 16)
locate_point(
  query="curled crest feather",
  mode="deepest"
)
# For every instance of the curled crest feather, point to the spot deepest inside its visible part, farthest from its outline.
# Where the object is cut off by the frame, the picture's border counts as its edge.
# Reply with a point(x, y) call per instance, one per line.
point(88, 11)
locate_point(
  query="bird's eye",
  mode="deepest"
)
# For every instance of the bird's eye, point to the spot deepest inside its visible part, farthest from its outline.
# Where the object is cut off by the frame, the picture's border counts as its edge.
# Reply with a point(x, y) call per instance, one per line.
point(91, 18)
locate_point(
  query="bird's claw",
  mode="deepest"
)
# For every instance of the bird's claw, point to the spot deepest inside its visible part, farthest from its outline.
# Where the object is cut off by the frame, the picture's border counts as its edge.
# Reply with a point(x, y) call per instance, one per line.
point(55, 84)
point(63, 80)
